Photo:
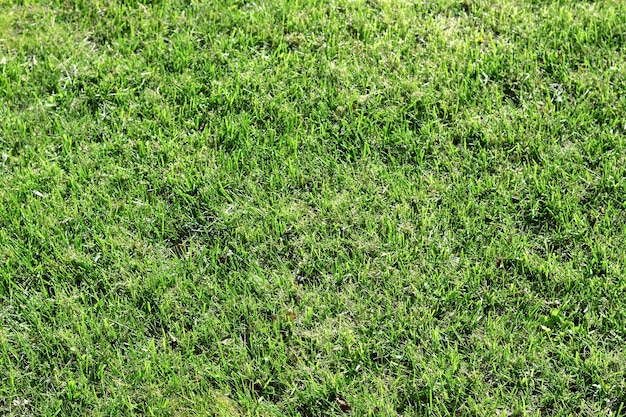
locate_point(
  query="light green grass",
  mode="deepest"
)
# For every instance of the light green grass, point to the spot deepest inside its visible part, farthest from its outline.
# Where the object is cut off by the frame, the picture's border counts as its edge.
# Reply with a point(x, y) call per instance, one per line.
point(313, 208)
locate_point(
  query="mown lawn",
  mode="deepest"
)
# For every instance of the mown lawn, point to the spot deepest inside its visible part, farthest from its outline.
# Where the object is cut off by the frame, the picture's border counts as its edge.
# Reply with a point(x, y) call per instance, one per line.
point(312, 208)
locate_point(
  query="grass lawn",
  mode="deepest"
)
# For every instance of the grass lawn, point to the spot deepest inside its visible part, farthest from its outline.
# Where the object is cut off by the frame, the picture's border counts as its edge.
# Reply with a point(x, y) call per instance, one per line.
point(312, 208)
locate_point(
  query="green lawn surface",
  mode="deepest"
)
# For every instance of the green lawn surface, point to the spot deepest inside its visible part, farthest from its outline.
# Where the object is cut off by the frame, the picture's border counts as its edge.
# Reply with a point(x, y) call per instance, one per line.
point(312, 208)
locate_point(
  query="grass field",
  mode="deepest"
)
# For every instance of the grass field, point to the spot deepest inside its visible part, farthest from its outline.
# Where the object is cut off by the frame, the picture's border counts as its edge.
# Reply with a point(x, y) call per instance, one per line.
point(313, 208)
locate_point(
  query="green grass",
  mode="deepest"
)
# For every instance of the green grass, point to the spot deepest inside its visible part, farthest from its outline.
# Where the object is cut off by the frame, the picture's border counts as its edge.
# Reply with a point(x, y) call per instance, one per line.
point(312, 208)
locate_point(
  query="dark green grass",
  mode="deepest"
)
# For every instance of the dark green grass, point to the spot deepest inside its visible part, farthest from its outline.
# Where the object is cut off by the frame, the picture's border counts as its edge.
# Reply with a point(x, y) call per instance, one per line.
point(384, 208)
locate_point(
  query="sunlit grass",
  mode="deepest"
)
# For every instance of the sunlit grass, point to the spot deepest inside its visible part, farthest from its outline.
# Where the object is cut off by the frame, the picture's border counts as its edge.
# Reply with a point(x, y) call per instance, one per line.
point(312, 208)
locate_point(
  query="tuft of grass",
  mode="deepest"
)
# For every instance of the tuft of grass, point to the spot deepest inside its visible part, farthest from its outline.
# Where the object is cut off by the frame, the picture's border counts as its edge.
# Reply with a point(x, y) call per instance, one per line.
point(306, 208)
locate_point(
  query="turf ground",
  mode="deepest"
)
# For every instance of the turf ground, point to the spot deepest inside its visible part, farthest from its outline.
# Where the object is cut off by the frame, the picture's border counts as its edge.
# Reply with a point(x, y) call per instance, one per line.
point(312, 208)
